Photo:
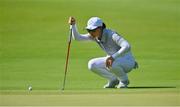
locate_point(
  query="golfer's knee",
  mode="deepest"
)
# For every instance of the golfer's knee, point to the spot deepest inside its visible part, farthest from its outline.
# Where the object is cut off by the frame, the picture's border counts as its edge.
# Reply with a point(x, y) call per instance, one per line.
point(92, 65)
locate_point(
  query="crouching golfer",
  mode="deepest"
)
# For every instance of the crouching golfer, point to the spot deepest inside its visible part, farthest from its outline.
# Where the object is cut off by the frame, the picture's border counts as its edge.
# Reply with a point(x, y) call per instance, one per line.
point(119, 60)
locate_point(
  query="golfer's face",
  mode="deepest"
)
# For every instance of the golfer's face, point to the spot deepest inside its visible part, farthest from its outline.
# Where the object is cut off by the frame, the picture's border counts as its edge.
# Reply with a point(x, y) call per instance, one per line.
point(95, 33)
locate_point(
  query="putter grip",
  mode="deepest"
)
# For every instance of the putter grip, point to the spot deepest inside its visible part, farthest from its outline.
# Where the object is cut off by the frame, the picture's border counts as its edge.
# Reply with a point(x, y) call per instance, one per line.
point(70, 34)
point(70, 27)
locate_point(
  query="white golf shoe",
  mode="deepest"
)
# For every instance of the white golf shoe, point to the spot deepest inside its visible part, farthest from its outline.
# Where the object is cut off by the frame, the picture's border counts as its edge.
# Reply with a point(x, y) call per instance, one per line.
point(123, 84)
point(112, 84)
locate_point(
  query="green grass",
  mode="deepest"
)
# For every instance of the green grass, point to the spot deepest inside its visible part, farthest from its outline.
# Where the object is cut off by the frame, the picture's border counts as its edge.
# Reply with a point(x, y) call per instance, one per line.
point(33, 44)
point(91, 98)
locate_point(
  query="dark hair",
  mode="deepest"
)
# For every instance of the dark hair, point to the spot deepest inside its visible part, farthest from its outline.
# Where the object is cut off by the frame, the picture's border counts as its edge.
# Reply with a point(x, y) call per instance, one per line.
point(103, 26)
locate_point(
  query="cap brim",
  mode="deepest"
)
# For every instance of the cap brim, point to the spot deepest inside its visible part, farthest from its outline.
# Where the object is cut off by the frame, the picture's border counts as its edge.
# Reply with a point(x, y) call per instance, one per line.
point(91, 27)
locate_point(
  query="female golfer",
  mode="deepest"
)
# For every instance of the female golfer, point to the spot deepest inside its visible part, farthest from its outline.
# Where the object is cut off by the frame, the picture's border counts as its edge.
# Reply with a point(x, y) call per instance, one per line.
point(119, 60)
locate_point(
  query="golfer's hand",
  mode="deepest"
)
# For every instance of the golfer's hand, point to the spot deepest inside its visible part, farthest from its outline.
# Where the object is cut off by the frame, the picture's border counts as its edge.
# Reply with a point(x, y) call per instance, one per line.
point(72, 20)
point(109, 61)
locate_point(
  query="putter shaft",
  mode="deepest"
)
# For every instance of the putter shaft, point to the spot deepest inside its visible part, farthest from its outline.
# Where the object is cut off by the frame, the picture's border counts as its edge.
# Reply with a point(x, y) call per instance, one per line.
point(67, 58)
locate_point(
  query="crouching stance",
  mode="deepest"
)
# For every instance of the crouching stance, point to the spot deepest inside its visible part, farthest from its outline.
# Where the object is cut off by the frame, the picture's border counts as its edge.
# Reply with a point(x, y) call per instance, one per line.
point(119, 60)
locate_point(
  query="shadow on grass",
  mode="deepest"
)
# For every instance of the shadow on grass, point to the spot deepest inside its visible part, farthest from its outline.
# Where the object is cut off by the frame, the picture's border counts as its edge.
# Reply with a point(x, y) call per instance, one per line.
point(150, 87)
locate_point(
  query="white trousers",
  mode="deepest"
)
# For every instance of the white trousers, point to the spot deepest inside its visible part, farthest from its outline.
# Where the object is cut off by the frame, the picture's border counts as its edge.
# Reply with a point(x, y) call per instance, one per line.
point(120, 67)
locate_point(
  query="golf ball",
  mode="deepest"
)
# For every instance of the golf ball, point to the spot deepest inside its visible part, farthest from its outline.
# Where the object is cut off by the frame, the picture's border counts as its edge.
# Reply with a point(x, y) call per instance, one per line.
point(30, 88)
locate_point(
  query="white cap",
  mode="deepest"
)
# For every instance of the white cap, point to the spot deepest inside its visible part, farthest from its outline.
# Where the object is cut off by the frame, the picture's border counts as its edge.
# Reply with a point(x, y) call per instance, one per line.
point(93, 23)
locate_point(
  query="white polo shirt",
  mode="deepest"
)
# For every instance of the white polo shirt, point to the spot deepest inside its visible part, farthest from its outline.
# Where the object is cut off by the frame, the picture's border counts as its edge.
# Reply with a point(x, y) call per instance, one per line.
point(111, 42)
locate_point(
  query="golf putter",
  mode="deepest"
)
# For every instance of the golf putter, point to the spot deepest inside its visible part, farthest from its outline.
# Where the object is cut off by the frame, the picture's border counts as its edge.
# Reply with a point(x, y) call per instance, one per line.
point(67, 57)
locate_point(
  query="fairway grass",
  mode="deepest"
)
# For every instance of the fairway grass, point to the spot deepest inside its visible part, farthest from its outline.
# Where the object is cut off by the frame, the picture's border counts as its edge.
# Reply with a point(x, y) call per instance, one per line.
point(109, 97)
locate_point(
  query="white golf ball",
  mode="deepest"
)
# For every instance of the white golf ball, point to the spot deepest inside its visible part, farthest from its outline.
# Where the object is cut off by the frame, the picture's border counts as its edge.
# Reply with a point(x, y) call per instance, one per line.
point(30, 88)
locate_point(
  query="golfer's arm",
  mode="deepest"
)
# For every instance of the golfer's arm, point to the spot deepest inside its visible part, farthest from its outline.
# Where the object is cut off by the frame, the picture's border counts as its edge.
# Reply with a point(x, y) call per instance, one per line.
point(125, 46)
point(77, 36)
